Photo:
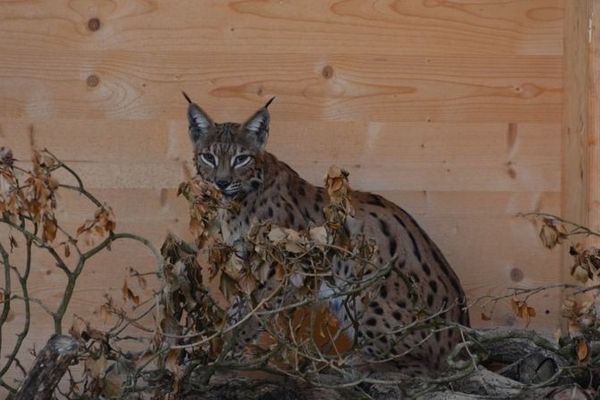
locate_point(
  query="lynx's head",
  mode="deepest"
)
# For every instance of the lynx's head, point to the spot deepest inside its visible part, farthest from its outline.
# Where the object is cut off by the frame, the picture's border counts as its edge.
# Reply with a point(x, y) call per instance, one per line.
point(228, 155)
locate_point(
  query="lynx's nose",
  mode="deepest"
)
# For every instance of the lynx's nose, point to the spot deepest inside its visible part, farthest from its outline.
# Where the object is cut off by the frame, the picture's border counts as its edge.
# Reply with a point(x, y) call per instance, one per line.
point(222, 184)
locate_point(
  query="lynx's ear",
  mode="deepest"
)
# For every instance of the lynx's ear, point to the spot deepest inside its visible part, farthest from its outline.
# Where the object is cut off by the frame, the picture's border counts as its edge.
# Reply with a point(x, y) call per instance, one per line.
point(257, 127)
point(200, 122)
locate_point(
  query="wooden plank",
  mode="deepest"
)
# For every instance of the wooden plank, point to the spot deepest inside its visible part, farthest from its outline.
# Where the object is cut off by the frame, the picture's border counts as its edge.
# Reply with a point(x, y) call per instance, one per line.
point(407, 156)
point(446, 157)
point(485, 266)
point(479, 27)
point(161, 211)
point(147, 85)
point(466, 240)
point(575, 172)
point(593, 139)
point(146, 205)
point(581, 121)
point(491, 255)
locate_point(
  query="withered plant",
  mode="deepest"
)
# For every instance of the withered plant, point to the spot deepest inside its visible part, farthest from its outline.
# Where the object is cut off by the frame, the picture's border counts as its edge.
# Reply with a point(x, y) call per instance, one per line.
point(210, 293)
point(28, 204)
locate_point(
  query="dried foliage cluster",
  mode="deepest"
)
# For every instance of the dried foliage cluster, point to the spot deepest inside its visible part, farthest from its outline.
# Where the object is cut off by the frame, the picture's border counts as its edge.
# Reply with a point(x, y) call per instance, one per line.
point(581, 306)
point(187, 331)
point(28, 205)
point(187, 335)
point(274, 279)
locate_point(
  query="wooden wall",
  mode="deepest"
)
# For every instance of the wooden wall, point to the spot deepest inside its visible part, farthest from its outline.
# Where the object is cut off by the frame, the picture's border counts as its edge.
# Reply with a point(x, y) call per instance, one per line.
point(453, 109)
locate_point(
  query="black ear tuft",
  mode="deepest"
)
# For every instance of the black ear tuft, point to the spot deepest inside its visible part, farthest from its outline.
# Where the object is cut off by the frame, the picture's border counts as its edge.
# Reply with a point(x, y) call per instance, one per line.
point(186, 97)
point(268, 102)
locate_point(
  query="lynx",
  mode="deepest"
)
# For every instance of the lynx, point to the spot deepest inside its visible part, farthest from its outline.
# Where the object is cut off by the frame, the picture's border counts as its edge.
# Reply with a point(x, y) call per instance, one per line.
point(232, 157)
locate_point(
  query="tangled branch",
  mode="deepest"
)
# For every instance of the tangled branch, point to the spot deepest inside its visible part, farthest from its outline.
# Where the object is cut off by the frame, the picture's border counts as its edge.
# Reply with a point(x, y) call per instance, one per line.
point(190, 336)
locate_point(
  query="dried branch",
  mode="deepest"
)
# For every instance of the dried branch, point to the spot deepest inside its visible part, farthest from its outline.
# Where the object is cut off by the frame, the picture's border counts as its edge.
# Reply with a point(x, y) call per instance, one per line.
point(50, 366)
point(278, 282)
point(27, 203)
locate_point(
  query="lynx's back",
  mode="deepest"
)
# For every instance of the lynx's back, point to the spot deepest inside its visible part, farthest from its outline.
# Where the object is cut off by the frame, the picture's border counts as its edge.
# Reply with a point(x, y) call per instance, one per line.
point(232, 157)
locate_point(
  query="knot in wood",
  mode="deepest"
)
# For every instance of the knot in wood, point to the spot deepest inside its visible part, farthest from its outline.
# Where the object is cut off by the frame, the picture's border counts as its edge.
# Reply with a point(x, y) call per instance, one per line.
point(93, 24)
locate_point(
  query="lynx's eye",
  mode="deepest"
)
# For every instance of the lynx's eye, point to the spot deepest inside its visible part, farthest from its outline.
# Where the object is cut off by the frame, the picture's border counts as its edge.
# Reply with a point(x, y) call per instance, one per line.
point(241, 160)
point(208, 159)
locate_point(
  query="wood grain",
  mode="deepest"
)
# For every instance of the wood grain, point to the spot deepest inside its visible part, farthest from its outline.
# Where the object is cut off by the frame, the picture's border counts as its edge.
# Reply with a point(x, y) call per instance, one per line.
point(379, 156)
point(490, 239)
point(575, 172)
point(364, 88)
point(593, 140)
point(429, 27)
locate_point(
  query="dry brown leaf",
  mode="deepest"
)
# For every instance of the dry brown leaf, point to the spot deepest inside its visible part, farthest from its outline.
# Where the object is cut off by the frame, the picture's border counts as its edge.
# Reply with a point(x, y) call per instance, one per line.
point(336, 184)
point(105, 312)
point(580, 274)
point(105, 218)
point(76, 329)
point(196, 226)
point(128, 294)
point(277, 234)
point(552, 232)
point(48, 160)
point(515, 305)
point(548, 236)
point(262, 271)
point(247, 283)
point(228, 286)
point(112, 384)
point(50, 228)
point(96, 367)
point(104, 221)
point(218, 255)
point(294, 247)
point(85, 227)
point(279, 272)
point(485, 317)
point(318, 235)
point(522, 310)
point(96, 334)
point(293, 236)
point(172, 362)
point(582, 349)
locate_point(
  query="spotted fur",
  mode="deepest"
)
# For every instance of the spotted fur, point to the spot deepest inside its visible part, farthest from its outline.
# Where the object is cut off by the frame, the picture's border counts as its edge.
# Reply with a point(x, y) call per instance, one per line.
point(232, 156)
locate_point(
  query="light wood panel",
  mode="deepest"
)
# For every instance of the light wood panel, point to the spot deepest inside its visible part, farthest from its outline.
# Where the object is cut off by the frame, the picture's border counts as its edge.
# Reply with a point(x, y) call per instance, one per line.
point(379, 156)
point(593, 142)
point(431, 27)
point(581, 122)
point(575, 177)
point(313, 87)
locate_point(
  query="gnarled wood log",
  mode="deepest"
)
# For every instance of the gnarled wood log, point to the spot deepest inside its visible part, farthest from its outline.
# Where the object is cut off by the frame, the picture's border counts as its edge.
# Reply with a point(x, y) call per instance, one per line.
point(50, 366)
